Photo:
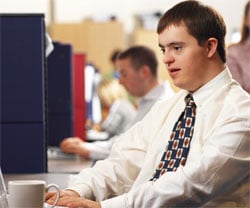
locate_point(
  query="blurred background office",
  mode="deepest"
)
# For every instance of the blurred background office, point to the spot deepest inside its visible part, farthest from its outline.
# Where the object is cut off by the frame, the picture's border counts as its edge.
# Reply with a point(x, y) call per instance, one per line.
point(85, 33)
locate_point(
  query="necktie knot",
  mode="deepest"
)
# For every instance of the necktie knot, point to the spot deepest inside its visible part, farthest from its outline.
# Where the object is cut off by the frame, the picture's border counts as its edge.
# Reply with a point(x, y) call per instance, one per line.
point(190, 100)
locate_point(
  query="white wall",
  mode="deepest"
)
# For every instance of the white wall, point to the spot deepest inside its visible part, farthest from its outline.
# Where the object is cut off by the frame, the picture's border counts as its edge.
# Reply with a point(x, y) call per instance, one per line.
point(77, 10)
point(25, 6)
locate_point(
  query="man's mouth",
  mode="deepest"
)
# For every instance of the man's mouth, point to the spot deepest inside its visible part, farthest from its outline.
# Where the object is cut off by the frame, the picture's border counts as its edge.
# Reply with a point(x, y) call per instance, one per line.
point(173, 71)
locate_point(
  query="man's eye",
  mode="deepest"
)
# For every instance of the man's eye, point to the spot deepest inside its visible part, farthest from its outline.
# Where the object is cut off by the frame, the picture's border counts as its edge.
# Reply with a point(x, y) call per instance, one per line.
point(177, 48)
point(163, 50)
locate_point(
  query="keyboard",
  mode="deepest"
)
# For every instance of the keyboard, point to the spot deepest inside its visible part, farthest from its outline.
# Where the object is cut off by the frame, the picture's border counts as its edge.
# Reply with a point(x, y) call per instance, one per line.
point(55, 153)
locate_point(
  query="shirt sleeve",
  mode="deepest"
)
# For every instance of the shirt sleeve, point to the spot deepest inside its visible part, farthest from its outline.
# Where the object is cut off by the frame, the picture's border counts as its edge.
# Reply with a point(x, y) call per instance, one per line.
point(112, 176)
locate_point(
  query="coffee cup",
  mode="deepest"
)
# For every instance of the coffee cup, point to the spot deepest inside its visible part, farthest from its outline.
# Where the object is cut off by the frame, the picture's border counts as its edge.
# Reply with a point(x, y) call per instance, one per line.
point(29, 193)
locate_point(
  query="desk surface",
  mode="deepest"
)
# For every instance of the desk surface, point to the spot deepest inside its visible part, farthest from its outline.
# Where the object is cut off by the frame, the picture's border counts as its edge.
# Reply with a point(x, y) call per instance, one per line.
point(58, 171)
point(61, 179)
point(68, 165)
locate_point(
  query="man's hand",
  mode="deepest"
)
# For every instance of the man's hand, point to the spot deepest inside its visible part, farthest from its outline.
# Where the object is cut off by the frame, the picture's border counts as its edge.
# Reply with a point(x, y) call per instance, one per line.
point(71, 199)
point(77, 202)
point(51, 197)
point(71, 145)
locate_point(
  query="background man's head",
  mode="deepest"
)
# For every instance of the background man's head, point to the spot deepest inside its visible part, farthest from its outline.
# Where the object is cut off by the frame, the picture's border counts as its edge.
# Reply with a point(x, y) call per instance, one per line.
point(137, 67)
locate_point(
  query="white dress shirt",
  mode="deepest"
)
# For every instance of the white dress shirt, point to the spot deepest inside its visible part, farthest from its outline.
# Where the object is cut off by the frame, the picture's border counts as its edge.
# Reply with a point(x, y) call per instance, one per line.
point(216, 173)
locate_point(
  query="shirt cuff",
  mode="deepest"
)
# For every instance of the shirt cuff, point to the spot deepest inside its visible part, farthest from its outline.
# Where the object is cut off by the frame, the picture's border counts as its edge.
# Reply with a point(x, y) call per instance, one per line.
point(119, 201)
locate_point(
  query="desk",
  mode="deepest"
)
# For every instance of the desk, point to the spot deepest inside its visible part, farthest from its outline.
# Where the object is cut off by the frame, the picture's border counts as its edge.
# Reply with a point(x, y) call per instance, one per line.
point(58, 171)
point(61, 179)
point(68, 165)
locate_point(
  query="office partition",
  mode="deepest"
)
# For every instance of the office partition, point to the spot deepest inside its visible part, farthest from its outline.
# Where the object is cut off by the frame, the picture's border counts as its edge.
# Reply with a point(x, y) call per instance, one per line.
point(60, 93)
point(23, 117)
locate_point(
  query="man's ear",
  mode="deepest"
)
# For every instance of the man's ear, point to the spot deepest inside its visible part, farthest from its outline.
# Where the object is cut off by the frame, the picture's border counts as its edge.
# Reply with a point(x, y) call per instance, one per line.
point(145, 71)
point(211, 45)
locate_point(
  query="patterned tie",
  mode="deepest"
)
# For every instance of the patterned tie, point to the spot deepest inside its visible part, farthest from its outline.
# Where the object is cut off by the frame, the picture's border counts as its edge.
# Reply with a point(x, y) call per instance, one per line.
point(179, 141)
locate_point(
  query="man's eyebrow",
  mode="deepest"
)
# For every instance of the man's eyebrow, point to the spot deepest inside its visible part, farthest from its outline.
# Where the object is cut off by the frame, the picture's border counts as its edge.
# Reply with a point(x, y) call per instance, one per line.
point(171, 43)
point(161, 46)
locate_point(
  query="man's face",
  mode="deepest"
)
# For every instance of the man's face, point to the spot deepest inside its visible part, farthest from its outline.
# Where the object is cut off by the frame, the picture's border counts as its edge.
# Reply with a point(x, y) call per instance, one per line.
point(130, 78)
point(185, 60)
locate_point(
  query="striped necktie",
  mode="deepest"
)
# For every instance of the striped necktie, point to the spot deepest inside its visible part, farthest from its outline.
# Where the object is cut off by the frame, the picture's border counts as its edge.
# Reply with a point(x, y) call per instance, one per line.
point(179, 141)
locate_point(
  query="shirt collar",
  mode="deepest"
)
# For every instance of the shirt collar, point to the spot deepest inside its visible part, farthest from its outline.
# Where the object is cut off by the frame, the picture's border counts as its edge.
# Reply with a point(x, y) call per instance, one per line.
point(202, 95)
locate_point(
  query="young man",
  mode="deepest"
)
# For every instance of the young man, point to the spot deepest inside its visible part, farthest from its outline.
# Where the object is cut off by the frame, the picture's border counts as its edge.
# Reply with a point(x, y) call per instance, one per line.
point(216, 170)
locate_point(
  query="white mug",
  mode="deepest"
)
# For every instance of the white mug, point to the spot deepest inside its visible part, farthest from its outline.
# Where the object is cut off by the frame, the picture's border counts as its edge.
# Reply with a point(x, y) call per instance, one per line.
point(29, 193)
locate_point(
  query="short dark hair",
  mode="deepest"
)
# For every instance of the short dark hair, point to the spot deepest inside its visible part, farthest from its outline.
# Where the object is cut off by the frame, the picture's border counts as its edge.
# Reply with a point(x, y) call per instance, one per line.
point(202, 22)
point(141, 55)
point(114, 55)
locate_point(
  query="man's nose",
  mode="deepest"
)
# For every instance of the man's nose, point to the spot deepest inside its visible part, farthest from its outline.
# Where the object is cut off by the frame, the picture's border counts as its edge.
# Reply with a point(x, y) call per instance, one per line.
point(167, 58)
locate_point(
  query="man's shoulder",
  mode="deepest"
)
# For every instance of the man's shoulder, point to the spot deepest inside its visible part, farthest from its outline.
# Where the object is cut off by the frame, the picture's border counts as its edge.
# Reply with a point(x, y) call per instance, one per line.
point(164, 91)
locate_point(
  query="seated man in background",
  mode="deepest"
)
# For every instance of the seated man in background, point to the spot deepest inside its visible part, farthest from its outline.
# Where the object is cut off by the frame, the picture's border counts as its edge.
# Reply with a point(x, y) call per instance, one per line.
point(190, 151)
point(138, 73)
point(121, 113)
point(137, 67)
